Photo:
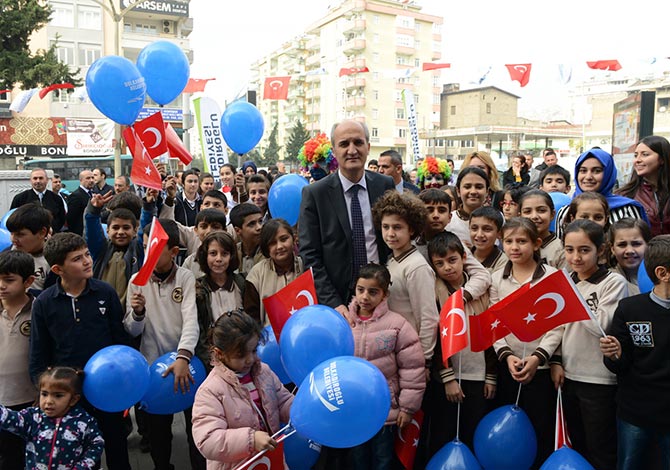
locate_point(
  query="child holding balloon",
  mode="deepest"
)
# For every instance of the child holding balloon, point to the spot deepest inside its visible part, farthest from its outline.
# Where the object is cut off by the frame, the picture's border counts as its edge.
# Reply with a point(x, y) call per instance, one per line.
point(79, 443)
point(241, 403)
point(387, 340)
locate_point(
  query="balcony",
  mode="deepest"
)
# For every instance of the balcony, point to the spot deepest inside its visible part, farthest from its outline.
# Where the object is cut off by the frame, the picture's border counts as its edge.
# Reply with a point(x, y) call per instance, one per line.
point(187, 27)
point(314, 78)
point(353, 46)
point(354, 26)
point(355, 63)
point(313, 44)
point(358, 82)
point(405, 50)
point(313, 60)
point(313, 92)
point(357, 102)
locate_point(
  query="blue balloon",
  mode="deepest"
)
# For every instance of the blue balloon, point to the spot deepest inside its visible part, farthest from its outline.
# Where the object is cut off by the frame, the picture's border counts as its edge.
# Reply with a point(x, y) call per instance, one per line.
point(454, 456)
point(160, 397)
point(560, 200)
point(310, 336)
point(284, 197)
point(343, 402)
point(505, 440)
point(116, 88)
point(115, 378)
point(301, 453)
point(3, 221)
point(566, 459)
point(270, 353)
point(165, 69)
point(643, 281)
point(5, 239)
point(242, 126)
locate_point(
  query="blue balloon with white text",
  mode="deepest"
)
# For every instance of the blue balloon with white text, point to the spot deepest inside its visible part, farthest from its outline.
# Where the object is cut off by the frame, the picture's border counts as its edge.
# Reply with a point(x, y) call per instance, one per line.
point(165, 69)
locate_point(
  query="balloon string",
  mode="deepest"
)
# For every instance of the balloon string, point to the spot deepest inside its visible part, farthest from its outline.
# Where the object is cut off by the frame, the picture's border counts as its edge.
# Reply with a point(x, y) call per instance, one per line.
point(280, 436)
point(523, 360)
point(458, 411)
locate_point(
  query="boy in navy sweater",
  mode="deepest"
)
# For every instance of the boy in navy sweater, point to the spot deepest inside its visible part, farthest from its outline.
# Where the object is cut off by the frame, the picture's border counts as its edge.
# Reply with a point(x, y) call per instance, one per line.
point(74, 319)
point(636, 349)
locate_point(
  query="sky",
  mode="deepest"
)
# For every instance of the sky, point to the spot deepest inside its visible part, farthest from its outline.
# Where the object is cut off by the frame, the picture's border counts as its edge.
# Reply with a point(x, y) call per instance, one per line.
point(228, 36)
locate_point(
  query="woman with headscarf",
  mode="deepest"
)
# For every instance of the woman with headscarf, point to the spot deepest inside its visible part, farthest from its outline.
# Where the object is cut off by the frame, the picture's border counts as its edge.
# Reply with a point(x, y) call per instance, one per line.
point(595, 171)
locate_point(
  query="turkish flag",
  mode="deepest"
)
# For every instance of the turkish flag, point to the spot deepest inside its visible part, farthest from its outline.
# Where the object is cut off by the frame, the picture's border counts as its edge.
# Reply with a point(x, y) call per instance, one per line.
point(143, 172)
point(57, 86)
point(453, 326)
point(157, 241)
point(551, 302)
point(276, 88)
point(561, 437)
point(175, 145)
point(281, 305)
point(407, 441)
point(352, 70)
point(434, 66)
point(519, 72)
point(485, 329)
point(151, 131)
point(612, 65)
point(196, 84)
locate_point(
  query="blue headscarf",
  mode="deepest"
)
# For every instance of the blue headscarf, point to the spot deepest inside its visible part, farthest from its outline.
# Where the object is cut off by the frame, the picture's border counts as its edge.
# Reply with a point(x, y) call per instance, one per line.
point(609, 180)
point(248, 164)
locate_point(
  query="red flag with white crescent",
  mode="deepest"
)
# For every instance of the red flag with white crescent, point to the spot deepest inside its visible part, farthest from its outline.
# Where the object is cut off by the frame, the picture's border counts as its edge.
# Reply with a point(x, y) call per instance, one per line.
point(453, 326)
point(519, 72)
point(151, 131)
point(434, 66)
point(175, 145)
point(407, 441)
point(276, 88)
point(561, 437)
point(551, 302)
point(612, 65)
point(143, 171)
point(297, 294)
point(157, 241)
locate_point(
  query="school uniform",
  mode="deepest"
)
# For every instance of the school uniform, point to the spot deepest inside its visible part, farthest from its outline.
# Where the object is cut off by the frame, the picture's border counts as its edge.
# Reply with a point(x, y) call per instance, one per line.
point(496, 260)
point(552, 252)
point(460, 226)
point(633, 287)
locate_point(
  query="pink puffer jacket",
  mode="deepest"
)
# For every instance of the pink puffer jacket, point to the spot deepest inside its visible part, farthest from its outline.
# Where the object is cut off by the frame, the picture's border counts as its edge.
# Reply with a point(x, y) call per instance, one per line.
point(389, 342)
point(224, 419)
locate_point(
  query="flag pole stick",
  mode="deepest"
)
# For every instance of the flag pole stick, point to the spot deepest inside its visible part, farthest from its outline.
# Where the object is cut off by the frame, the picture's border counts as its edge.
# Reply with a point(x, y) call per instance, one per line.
point(523, 360)
point(458, 411)
point(279, 435)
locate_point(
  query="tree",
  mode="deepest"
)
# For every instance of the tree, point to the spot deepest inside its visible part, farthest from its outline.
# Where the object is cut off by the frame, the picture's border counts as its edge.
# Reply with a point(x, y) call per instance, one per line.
point(18, 20)
point(271, 154)
point(299, 135)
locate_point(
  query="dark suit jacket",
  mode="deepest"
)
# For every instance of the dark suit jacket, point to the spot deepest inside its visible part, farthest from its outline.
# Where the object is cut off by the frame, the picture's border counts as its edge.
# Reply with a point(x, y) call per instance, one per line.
point(50, 201)
point(409, 187)
point(325, 235)
point(105, 189)
point(76, 205)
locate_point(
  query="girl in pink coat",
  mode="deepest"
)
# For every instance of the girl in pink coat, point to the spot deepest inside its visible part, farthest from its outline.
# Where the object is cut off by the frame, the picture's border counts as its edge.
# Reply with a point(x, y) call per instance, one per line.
point(388, 341)
point(242, 402)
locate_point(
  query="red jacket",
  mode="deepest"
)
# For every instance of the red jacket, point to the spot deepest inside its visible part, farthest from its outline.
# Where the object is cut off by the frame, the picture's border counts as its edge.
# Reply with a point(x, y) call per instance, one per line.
point(659, 220)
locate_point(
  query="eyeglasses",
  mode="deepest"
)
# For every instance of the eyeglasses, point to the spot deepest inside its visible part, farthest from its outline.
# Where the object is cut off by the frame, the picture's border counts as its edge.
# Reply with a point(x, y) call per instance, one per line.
point(508, 203)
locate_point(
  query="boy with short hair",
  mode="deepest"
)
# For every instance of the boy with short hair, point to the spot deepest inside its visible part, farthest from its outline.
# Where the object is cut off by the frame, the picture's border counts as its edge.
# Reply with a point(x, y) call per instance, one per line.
point(29, 226)
point(16, 389)
point(163, 311)
point(555, 179)
point(258, 188)
point(207, 220)
point(246, 218)
point(119, 255)
point(74, 319)
point(636, 350)
point(485, 229)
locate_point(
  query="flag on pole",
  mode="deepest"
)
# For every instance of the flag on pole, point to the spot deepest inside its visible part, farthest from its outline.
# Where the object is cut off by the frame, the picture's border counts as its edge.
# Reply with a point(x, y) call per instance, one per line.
point(22, 100)
point(352, 70)
point(453, 326)
point(434, 66)
point(519, 72)
point(157, 241)
point(143, 172)
point(561, 437)
point(612, 65)
point(151, 131)
point(58, 86)
point(195, 85)
point(286, 301)
point(551, 302)
point(276, 88)
point(407, 441)
point(175, 145)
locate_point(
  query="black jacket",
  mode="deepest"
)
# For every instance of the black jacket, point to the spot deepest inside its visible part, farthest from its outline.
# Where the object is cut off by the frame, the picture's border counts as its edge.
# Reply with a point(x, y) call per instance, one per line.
point(50, 201)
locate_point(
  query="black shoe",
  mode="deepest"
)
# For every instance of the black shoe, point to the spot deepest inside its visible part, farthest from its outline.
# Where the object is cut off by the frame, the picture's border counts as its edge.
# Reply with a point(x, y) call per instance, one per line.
point(145, 445)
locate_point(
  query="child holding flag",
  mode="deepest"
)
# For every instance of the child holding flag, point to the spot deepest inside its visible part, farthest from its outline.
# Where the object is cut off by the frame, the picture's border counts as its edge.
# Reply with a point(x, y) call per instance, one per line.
point(387, 340)
point(467, 378)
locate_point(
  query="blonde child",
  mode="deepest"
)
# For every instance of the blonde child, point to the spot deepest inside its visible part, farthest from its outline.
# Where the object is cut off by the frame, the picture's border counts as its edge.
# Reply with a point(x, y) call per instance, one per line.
point(387, 340)
point(628, 239)
point(589, 388)
point(80, 445)
point(241, 403)
point(279, 266)
point(525, 363)
point(470, 378)
point(538, 206)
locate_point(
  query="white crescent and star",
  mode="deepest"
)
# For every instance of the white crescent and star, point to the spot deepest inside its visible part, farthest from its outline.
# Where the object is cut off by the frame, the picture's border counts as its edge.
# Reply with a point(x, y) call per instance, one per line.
point(460, 313)
point(151, 244)
point(307, 295)
point(276, 84)
point(558, 301)
point(264, 461)
point(414, 422)
point(521, 68)
point(157, 135)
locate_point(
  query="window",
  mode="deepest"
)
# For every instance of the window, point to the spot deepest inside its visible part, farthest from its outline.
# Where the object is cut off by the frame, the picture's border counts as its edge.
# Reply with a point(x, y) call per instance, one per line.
point(398, 95)
point(374, 132)
point(375, 95)
point(402, 60)
point(400, 113)
point(404, 40)
point(65, 52)
point(63, 15)
point(375, 38)
point(452, 110)
point(488, 108)
point(436, 81)
point(375, 113)
point(148, 29)
point(375, 19)
point(404, 22)
point(402, 132)
point(437, 28)
point(436, 99)
point(417, 44)
point(375, 57)
point(663, 104)
point(89, 17)
point(88, 53)
point(417, 62)
point(417, 27)
point(375, 76)
point(437, 46)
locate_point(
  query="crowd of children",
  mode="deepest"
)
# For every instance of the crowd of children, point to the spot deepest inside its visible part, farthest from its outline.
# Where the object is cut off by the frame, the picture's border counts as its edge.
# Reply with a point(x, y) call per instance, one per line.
point(64, 297)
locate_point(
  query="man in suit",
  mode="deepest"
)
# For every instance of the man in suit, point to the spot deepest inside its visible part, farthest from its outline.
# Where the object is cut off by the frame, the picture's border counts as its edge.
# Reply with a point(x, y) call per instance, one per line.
point(390, 164)
point(325, 225)
point(77, 202)
point(39, 194)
